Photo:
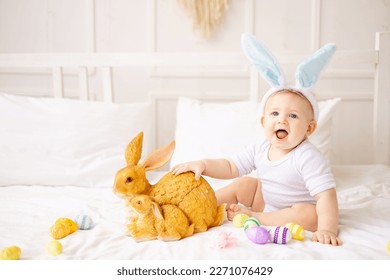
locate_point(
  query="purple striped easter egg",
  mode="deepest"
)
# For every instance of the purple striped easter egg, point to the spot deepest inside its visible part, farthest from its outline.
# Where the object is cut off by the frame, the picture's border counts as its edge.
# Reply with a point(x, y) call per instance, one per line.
point(280, 235)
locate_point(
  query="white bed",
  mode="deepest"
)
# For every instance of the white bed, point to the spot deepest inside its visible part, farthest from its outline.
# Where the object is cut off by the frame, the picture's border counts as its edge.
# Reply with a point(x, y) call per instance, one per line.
point(48, 173)
point(28, 212)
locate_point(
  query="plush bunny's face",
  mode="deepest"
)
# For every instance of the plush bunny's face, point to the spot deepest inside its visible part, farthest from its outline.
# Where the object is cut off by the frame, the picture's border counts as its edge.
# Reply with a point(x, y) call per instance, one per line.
point(130, 180)
point(142, 204)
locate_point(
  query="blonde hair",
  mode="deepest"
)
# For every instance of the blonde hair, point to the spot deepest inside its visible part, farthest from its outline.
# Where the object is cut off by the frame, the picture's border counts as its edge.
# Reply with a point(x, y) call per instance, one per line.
point(293, 91)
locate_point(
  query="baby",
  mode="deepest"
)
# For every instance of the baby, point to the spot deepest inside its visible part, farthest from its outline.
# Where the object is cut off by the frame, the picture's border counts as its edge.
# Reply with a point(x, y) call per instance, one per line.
point(295, 182)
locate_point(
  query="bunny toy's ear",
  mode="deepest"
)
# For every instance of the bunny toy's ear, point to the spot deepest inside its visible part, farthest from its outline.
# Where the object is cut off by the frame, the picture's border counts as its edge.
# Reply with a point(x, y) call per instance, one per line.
point(263, 60)
point(134, 150)
point(309, 70)
point(159, 157)
point(157, 210)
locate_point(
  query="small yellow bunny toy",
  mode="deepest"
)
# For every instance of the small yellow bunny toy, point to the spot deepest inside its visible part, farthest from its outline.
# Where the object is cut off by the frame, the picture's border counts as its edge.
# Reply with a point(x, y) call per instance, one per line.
point(194, 197)
point(166, 223)
point(142, 222)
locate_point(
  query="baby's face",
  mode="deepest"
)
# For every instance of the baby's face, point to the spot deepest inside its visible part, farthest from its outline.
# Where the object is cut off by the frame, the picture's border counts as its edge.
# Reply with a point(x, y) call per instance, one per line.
point(287, 120)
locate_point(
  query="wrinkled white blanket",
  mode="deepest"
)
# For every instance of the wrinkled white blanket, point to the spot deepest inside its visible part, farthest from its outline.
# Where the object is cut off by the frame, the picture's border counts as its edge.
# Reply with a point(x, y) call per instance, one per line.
point(27, 212)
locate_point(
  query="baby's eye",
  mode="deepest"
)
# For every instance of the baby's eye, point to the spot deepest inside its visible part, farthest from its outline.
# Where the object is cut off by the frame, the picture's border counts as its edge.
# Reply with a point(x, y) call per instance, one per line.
point(275, 114)
point(293, 116)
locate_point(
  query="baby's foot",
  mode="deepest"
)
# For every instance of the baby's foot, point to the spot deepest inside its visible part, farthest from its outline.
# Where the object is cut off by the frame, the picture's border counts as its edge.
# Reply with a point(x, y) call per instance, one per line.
point(235, 209)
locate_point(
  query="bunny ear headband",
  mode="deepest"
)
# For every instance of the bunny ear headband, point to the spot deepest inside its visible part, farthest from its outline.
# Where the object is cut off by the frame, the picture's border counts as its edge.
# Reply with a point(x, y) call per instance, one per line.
point(306, 74)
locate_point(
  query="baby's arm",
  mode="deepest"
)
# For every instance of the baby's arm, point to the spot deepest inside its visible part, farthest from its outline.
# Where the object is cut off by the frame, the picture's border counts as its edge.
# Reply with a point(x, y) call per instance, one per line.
point(328, 218)
point(216, 168)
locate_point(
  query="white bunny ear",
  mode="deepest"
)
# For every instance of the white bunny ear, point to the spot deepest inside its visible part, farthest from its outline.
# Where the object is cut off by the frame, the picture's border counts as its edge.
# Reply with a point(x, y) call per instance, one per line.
point(309, 70)
point(263, 60)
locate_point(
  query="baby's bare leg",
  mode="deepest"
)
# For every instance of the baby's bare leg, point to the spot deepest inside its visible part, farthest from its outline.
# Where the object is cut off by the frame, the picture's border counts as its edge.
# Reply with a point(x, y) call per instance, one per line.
point(246, 191)
point(301, 213)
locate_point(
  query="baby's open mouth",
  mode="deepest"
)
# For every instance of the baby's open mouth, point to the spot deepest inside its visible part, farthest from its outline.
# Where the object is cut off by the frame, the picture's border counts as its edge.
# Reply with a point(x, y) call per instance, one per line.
point(281, 133)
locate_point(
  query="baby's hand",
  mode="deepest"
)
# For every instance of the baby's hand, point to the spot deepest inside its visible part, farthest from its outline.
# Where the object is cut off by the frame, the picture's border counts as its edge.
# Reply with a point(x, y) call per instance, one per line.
point(195, 166)
point(326, 237)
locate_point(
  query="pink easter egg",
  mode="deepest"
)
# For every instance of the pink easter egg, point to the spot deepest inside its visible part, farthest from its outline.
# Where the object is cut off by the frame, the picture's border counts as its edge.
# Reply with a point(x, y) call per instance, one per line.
point(258, 235)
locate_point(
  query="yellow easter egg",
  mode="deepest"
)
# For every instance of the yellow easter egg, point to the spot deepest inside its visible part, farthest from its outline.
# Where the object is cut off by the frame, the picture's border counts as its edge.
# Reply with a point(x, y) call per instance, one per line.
point(297, 232)
point(388, 247)
point(62, 227)
point(72, 224)
point(58, 231)
point(240, 219)
point(54, 248)
point(10, 253)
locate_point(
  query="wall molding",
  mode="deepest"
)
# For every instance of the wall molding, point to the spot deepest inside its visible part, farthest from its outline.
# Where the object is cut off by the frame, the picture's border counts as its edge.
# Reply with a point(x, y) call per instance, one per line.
point(90, 33)
point(185, 72)
point(315, 25)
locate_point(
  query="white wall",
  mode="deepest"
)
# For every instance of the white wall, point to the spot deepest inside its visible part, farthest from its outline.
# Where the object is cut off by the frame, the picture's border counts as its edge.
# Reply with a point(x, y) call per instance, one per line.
point(35, 26)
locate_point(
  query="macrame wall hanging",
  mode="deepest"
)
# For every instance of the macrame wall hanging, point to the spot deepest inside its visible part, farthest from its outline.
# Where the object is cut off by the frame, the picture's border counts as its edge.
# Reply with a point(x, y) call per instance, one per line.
point(206, 15)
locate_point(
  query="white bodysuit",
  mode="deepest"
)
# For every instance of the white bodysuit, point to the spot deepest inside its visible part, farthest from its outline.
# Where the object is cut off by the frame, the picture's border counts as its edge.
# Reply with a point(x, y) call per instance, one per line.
point(295, 178)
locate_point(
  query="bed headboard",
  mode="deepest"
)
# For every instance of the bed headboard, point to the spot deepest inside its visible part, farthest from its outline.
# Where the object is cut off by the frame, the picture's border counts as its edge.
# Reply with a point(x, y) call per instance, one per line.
point(164, 101)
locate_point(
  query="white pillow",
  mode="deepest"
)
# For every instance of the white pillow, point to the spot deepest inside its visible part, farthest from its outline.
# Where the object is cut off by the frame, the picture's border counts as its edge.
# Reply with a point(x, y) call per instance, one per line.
point(47, 141)
point(213, 130)
point(322, 136)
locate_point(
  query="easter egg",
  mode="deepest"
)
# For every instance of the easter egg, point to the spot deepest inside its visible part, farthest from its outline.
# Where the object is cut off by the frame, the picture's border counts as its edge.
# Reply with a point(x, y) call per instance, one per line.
point(388, 247)
point(10, 253)
point(62, 227)
point(251, 222)
point(84, 222)
point(70, 223)
point(54, 248)
point(258, 235)
point(240, 219)
point(297, 231)
point(280, 235)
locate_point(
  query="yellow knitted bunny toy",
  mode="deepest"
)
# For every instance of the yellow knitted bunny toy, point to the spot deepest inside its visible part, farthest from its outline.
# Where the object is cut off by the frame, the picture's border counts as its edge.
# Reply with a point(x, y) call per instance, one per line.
point(195, 198)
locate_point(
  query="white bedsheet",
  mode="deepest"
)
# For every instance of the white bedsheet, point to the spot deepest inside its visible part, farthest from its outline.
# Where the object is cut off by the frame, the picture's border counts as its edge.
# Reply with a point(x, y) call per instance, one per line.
point(27, 212)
